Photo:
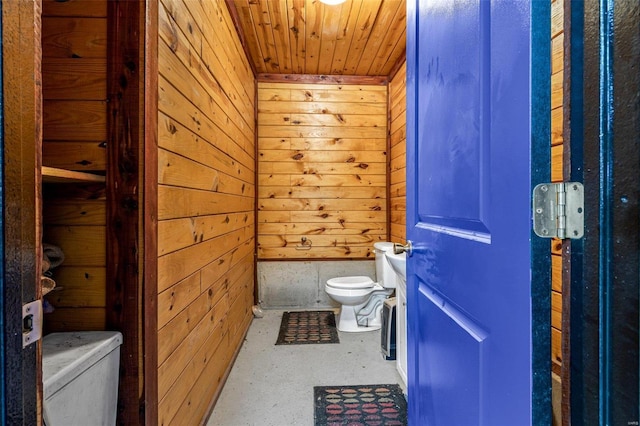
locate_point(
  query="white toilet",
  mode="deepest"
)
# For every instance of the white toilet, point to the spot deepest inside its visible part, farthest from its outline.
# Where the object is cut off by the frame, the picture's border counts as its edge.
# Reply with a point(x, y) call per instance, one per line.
point(361, 298)
point(80, 377)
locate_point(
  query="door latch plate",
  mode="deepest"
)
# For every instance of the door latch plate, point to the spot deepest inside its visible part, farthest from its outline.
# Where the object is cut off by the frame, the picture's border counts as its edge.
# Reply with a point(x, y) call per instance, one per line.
point(31, 322)
point(558, 210)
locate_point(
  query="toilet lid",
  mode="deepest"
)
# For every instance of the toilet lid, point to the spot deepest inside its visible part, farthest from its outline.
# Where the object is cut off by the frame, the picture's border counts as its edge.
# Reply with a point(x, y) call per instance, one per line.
point(351, 282)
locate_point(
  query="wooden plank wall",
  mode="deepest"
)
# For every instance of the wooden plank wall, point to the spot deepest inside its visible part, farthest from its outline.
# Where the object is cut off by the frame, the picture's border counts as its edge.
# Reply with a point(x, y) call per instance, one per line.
point(322, 170)
point(74, 48)
point(398, 170)
point(206, 204)
point(557, 78)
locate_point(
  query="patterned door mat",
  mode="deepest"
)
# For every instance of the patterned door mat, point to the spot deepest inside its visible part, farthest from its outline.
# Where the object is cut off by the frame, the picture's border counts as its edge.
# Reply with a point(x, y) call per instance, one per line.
point(308, 327)
point(365, 405)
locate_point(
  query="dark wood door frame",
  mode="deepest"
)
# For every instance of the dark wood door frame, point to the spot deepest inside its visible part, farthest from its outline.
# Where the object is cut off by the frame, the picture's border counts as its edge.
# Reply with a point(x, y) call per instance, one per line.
point(22, 135)
point(132, 213)
point(603, 123)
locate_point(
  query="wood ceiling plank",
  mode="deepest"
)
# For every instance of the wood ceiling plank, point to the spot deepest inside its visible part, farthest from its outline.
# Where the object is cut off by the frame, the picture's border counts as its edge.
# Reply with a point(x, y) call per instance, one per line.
point(380, 31)
point(330, 31)
point(297, 37)
point(279, 24)
point(262, 23)
point(347, 27)
point(306, 37)
point(313, 18)
point(366, 19)
point(390, 38)
point(244, 14)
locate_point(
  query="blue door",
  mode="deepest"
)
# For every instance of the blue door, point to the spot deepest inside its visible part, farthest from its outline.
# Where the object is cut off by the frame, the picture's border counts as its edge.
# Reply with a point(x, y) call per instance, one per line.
point(477, 140)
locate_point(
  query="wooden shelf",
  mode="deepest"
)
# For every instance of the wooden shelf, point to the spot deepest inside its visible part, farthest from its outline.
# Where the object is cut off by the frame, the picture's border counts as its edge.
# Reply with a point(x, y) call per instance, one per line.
point(54, 175)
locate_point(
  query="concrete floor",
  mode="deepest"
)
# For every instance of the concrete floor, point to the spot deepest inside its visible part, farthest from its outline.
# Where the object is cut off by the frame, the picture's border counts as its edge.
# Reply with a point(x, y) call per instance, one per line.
point(272, 385)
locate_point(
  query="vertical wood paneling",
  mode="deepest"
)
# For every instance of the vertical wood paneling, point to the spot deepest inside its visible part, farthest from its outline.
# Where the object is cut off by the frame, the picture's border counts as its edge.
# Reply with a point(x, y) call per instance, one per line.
point(321, 170)
point(398, 178)
point(74, 75)
point(206, 189)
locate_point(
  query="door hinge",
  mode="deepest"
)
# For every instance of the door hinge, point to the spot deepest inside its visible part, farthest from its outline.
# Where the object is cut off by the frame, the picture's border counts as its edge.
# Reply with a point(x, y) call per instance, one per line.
point(558, 210)
point(31, 322)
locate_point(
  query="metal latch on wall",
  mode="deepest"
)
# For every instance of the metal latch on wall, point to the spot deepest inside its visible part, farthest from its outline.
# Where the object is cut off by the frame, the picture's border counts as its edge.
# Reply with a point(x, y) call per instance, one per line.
point(558, 210)
point(31, 322)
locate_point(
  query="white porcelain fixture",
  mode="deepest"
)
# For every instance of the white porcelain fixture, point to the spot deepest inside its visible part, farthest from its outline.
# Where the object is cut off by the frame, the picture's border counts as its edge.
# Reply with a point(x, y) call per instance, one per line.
point(361, 298)
point(399, 264)
point(80, 377)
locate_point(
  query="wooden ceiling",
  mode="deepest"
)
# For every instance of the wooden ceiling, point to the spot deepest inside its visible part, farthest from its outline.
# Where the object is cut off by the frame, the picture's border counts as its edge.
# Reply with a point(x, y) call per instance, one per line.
point(358, 37)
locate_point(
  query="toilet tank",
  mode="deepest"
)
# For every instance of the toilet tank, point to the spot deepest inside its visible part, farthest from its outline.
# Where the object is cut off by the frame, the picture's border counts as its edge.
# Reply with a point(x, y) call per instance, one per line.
point(385, 276)
point(80, 377)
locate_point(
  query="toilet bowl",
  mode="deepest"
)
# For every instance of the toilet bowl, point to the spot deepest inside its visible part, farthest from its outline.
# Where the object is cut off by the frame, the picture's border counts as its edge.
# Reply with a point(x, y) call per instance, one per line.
point(362, 298)
point(80, 378)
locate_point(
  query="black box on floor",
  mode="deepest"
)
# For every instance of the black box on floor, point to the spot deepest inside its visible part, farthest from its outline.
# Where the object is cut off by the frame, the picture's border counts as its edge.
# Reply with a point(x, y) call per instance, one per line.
point(388, 334)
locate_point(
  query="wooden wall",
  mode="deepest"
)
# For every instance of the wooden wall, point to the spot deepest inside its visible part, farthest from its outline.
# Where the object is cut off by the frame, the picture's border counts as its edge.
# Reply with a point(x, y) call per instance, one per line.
point(206, 204)
point(557, 78)
point(322, 168)
point(398, 170)
point(74, 49)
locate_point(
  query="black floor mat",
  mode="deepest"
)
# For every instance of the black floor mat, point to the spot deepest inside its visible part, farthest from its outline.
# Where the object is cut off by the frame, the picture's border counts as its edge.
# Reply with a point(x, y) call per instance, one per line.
point(366, 405)
point(306, 327)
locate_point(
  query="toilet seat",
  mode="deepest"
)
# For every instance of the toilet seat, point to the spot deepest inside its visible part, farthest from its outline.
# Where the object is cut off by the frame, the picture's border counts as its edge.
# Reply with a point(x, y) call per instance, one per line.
point(361, 298)
point(351, 283)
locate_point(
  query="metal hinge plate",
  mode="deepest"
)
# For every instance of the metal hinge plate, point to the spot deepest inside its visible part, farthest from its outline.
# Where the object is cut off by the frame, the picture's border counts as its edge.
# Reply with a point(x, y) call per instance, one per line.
point(31, 322)
point(558, 210)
